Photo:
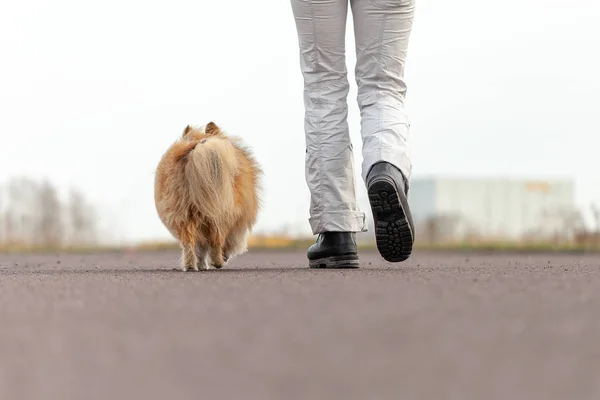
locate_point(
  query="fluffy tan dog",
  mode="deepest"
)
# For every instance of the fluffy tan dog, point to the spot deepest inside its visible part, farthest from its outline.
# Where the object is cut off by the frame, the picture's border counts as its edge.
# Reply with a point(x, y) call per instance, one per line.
point(206, 194)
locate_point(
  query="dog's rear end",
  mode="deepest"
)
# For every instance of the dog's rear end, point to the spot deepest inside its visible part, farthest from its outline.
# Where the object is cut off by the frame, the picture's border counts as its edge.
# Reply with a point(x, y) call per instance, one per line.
point(206, 194)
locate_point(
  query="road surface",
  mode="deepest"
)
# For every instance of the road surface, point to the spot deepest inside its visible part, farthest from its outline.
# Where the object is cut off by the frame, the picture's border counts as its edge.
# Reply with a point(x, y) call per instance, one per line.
point(439, 326)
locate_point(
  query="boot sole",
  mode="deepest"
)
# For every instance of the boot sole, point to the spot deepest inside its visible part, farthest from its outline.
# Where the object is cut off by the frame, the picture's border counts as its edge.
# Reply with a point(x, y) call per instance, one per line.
point(393, 233)
point(335, 262)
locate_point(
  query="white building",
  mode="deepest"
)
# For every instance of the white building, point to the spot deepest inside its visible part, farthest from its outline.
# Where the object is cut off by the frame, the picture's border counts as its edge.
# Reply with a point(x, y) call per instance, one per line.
point(446, 209)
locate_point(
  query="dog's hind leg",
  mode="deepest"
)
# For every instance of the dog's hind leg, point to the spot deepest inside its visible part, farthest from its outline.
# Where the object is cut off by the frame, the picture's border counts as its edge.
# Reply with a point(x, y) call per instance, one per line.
point(188, 240)
point(202, 255)
point(236, 243)
point(188, 259)
point(216, 242)
point(216, 256)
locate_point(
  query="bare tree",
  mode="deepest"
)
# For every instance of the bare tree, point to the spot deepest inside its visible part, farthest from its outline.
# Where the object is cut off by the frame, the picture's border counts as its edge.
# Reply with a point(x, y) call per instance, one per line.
point(82, 218)
point(49, 223)
point(33, 214)
point(20, 193)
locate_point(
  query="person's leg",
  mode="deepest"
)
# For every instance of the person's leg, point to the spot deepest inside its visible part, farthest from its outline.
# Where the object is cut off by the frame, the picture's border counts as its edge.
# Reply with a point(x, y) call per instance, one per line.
point(334, 214)
point(321, 27)
point(382, 31)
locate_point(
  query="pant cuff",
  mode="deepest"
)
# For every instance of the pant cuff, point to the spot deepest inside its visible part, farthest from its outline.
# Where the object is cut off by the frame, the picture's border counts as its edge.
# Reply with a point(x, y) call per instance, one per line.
point(338, 221)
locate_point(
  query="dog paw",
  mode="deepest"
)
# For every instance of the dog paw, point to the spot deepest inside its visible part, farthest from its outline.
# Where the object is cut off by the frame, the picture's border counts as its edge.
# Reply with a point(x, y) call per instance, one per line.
point(203, 266)
point(219, 266)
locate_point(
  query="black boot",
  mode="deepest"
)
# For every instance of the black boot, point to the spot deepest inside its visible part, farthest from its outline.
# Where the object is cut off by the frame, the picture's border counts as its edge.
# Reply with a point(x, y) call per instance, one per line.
point(334, 250)
point(394, 229)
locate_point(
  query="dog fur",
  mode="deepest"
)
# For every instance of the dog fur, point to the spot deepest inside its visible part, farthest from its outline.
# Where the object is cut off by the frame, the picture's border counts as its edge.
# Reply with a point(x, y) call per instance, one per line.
point(206, 194)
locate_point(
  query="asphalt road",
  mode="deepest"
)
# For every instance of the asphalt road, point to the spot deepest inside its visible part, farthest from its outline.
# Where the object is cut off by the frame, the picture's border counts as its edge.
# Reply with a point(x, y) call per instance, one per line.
point(439, 326)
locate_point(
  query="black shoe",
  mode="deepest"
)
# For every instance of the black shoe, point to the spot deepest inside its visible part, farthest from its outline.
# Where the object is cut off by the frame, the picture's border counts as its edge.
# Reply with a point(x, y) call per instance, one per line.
point(394, 229)
point(334, 250)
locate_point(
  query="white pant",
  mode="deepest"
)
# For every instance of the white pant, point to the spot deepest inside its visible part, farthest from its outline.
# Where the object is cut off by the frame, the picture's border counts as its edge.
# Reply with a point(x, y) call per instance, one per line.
point(382, 29)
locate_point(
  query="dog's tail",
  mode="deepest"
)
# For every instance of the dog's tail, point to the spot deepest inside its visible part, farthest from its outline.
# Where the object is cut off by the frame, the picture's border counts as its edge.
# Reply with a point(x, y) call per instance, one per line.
point(210, 170)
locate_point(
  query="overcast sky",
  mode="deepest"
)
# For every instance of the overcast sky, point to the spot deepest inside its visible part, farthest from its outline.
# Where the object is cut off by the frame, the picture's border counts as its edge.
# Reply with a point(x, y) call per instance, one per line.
point(91, 94)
